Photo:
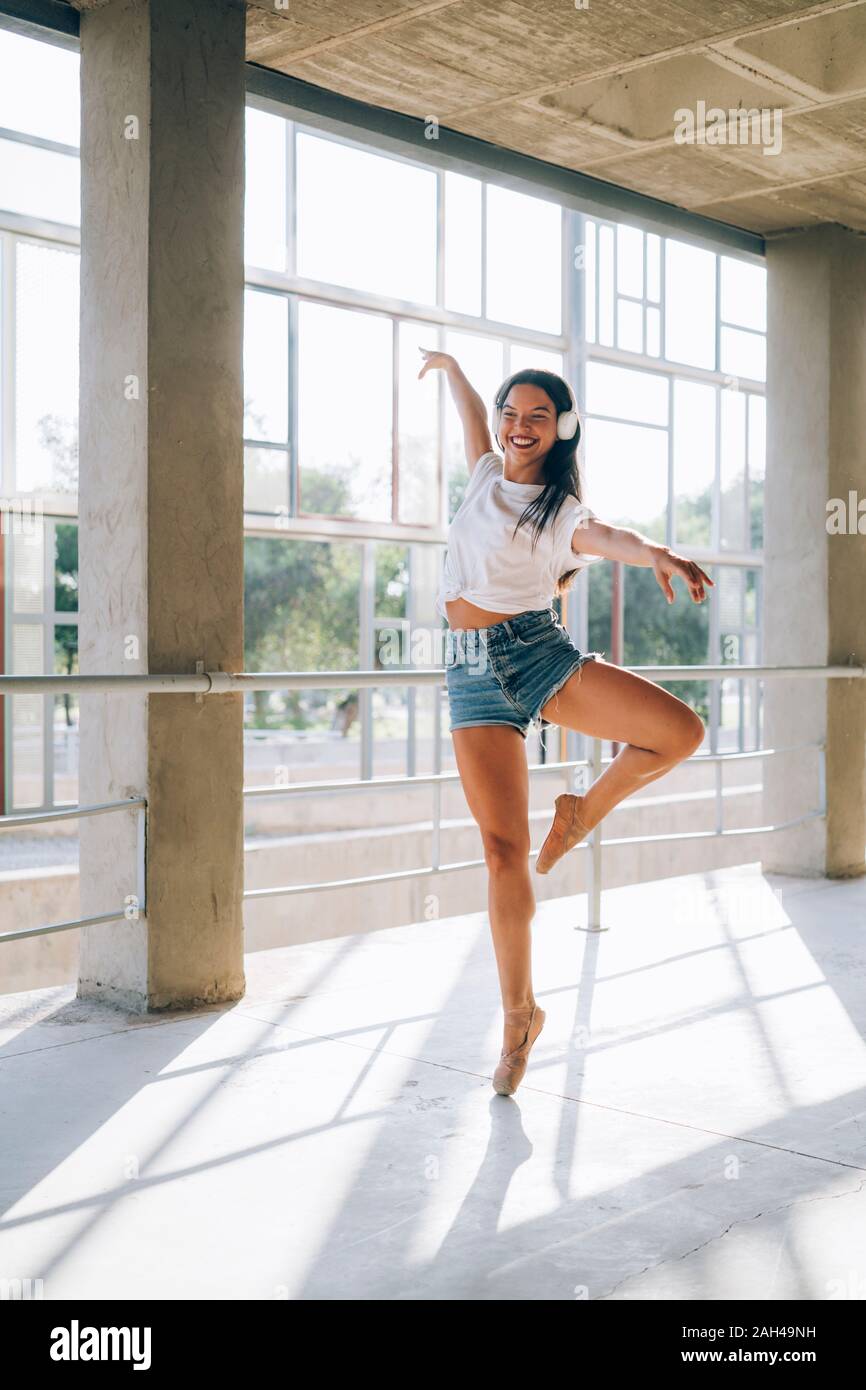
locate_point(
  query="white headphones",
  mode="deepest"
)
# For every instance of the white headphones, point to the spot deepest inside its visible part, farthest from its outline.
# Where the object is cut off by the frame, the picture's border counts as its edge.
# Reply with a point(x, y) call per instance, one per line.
point(567, 421)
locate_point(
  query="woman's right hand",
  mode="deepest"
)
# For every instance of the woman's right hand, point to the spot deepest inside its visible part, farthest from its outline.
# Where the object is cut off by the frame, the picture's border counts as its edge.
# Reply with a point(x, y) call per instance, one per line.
point(434, 359)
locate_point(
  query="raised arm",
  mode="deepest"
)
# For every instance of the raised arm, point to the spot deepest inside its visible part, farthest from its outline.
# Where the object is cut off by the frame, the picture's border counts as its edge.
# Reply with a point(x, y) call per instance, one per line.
point(470, 406)
point(595, 537)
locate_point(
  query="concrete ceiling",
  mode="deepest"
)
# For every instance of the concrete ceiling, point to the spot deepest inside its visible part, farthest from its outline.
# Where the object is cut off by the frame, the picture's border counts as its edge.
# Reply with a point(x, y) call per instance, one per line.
point(596, 89)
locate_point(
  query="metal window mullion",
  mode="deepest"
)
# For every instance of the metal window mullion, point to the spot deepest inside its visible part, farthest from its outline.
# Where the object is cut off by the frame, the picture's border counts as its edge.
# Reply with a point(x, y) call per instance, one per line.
point(367, 598)
point(575, 308)
point(291, 201)
point(718, 313)
point(747, 526)
point(430, 315)
point(616, 286)
point(322, 527)
point(278, 445)
point(759, 652)
point(441, 214)
point(623, 357)
point(7, 358)
point(624, 420)
point(441, 463)
point(329, 528)
point(8, 307)
point(39, 142)
point(716, 511)
point(741, 642)
point(436, 837)
point(395, 419)
point(645, 301)
point(597, 285)
point(412, 691)
point(715, 614)
point(294, 478)
point(669, 530)
point(744, 572)
point(714, 686)
point(48, 663)
point(567, 288)
point(663, 316)
point(291, 205)
point(483, 250)
point(53, 234)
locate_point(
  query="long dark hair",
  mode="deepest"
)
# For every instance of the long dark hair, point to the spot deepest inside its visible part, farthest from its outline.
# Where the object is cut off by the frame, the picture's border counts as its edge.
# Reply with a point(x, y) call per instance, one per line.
point(561, 478)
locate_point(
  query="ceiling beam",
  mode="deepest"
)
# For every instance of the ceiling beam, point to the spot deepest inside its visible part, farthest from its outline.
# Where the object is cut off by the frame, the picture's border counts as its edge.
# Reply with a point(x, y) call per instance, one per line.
point(41, 19)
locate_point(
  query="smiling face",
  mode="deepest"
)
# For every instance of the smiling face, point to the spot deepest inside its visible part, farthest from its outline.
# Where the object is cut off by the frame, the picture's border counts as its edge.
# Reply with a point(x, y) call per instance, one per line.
point(527, 428)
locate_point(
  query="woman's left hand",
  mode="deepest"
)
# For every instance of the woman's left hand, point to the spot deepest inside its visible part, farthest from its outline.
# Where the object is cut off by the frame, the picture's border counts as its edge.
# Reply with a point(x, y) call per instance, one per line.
point(667, 563)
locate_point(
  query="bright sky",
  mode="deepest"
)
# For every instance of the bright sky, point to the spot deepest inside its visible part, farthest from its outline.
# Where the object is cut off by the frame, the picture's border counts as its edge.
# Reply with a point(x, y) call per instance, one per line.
point(39, 88)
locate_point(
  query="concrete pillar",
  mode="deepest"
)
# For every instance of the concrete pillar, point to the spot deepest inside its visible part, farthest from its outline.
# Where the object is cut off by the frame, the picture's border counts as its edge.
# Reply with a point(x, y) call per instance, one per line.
point(161, 490)
point(815, 587)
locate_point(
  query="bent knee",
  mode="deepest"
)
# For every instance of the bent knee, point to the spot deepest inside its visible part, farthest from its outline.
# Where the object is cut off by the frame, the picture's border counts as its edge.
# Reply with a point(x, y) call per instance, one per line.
point(503, 851)
point(689, 734)
point(682, 736)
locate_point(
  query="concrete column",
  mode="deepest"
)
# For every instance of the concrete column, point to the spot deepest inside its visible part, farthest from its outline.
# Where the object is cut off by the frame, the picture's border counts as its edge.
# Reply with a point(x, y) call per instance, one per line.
point(815, 588)
point(161, 490)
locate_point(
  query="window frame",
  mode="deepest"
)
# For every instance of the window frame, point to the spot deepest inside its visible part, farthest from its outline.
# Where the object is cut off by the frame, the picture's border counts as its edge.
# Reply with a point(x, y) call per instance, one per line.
point(570, 344)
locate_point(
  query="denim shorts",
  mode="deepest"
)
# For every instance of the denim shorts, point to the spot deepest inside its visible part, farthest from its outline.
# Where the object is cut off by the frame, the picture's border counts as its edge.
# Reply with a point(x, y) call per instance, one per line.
point(506, 673)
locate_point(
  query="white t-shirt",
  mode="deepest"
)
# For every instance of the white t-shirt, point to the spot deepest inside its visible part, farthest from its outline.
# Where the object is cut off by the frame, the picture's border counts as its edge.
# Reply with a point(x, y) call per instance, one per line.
point(486, 566)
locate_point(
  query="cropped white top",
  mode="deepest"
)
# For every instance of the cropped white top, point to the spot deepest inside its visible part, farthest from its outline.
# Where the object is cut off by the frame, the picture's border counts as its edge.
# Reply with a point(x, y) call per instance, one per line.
point(486, 566)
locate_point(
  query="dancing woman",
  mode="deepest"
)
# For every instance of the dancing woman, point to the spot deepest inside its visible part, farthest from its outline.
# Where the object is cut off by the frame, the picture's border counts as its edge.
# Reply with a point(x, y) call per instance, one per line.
point(518, 538)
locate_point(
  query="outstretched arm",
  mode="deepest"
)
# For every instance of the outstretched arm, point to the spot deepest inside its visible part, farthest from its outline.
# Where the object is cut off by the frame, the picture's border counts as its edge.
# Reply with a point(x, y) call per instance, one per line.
point(470, 406)
point(595, 537)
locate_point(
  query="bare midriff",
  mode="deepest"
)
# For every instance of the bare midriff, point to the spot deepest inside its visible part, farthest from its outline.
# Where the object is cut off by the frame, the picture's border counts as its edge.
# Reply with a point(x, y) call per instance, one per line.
point(462, 613)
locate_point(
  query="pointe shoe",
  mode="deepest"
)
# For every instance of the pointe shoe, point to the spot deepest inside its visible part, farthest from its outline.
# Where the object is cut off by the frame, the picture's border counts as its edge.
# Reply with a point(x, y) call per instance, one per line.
point(512, 1065)
point(567, 831)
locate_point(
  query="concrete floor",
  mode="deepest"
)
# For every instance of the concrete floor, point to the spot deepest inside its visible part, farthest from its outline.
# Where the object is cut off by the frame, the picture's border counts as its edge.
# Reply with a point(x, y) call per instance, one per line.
point(692, 1124)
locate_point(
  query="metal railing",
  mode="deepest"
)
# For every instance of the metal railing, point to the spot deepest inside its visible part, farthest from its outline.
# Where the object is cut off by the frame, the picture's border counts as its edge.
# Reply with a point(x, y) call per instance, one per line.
point(135, 903)
point(594, 843)
point(222, 682)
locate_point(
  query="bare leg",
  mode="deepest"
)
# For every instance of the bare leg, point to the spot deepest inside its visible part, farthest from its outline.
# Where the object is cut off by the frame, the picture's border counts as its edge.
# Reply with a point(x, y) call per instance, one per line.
point(658, 729)
point(491, 760)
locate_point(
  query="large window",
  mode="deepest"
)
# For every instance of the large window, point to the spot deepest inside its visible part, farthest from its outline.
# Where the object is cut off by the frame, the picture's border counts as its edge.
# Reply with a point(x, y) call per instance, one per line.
point(675, 438)
point(354, 467)
point(42, 637)
point(346, 367)
point(341, 298)
point(364, 221)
